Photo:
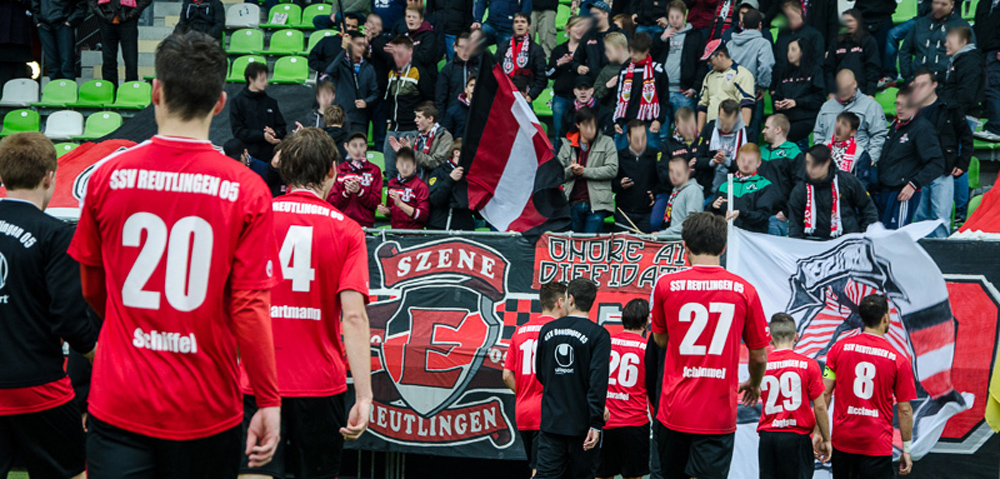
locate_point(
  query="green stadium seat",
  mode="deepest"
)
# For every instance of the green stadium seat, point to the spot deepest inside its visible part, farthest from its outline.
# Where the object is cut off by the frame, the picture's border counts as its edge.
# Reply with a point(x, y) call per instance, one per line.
point(63, 148)
point(371, 135)
point(19, 92)
point(905, 10)
point(562, 17)
point(99, 125)
point(240, 65)
point(313, 11)
point(315, 37)
point(95, 94)
point(768, 103)
point(17, 121)
point(969, 10)
point(974, 173)
point(543, 104)
point(376, 158)
point(291, 69)
point(887, 98)
point(57, 94)
point(286, 42)
point(248, 41)
point(973, 204)
point(133, 95)
point(292, 16)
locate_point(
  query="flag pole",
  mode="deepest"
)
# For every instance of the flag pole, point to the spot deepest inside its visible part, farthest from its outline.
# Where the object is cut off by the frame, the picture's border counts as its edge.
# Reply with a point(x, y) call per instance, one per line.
point(634, 227)
point(729, 220)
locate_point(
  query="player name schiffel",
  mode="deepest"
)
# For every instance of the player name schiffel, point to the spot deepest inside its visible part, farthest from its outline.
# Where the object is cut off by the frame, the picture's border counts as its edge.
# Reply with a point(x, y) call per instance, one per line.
point(618, 396)
point(174, 182)
point(783, 423)
point(860, 411)
point(295, 312)
point(164, 341)
point(700, 372)
point(706, 285)
point(860, 348)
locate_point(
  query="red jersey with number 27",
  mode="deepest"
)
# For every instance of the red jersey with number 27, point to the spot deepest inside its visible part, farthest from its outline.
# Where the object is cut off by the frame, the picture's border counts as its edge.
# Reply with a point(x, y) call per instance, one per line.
point(521, 360)
point(705, 311)
point(868, 374)
point(176, 227)
point(627, 402)
point(790, 383)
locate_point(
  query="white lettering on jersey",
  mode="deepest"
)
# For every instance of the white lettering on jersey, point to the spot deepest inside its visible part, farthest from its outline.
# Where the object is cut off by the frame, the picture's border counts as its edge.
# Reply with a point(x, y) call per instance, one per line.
point(165, 341)
point(174, 182)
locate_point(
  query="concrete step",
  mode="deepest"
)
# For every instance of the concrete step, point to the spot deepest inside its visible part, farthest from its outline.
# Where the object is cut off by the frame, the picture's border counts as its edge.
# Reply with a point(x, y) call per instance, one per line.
point(95, 59)
point(163, 9)
point(154, 33)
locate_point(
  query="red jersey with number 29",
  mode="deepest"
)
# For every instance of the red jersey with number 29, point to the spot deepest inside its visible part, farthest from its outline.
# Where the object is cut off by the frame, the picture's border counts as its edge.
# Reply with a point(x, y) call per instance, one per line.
point(868, 374)
point(521, 360)
point(790, 383)
point(323, 253)
point(626, 401)
point(704, 311)
point(176, 227)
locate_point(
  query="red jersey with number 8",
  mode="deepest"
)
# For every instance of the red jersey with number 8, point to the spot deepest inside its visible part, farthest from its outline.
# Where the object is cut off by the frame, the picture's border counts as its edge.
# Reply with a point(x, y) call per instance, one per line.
point(790, 383)
point(869, 372)
point(176, 227)
point(521, 360)
point(627, 402)
point(704, 311)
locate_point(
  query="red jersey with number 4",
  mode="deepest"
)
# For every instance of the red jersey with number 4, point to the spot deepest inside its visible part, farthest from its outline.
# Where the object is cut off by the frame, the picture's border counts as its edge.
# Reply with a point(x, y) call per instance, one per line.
point(790, 383)
point(868, 374)
point(704, 311)
point(322, 254)
point(627, 402)
point(521, 360)
point(176, 227)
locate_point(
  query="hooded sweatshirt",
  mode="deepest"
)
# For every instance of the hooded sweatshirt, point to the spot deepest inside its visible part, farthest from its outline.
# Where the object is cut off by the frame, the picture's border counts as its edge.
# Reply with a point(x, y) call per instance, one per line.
point(713, 140)
point(750, 49)
point(688, 199)
point(783, 166)
point(871, 133)
point(964, 80)
point(452, 79)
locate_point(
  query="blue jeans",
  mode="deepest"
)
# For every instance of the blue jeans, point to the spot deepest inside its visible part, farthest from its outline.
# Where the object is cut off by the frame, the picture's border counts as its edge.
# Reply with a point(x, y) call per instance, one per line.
point(659, 209)
point(390, 154)
point(59, 49)
point(652, 30)
point(935, 203)
point(449, 45)
point(583, 220)
point(992, 103)
point(493, 35)
point(962, 197)
point(892, 41)
point(776, 227)
point(653, 140)
point(560, 105)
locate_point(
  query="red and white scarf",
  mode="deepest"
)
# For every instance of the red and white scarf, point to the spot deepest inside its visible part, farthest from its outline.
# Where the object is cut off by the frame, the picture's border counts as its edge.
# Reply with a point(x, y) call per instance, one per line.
point(124, 3)
point(516, 57)
point(590, 104)
point(424, 140)
point(464, 99)
point(649, 104)
point(844, 153)
point(836, 224)
point(670, 205)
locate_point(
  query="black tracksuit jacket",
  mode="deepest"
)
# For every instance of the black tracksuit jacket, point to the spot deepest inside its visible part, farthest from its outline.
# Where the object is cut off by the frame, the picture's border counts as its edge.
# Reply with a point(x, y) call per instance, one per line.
point(953, 133)
point(863, 60)
point(911, 155)
point(572, 366)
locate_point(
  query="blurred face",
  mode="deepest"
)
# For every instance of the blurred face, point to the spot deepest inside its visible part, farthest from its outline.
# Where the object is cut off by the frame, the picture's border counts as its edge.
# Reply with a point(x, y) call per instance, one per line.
point(579, 30)
point(816, 171)
point(904, 111)
point(600, 17)
point(413, 20)
point(679, 173)
point(942, 8)
point(356, 148)
point(719, 62)
point(842, 130)
point(461, 49)
point(638, 56)
point(373, 25)
point(424, 123)
point(953, 43)
point(846, 87)
point(360, 46)
point(770, 132)
point(351, 24)
point(850, 23)
point(259, 83)
point(520, 26)
point(727, 123)
point(688, 128)
point(588, 130)
point(794, 17)
point(637, 139)
point(613, 53)
point(676, 19)
point(406, 166)
point(583, 94)
point(401, 55)
point(923, 90)
point(747, 163)
point(325, 98)
point(470, 88)
point(794, 53)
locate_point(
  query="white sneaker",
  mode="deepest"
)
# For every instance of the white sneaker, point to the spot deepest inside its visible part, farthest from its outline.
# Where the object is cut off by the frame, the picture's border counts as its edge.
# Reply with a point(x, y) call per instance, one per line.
point(987, 136)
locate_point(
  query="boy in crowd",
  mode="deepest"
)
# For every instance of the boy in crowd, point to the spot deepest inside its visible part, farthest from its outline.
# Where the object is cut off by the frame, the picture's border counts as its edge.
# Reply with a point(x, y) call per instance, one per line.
point(356, 81)
point(681, 45)
point(257, 121)
point(720, 140)
point(426, 53)
point(686, 199)
point(521, 56)
point(458, 113)
point(684, 143)
point(358, 190)
point(591, 163)
point(606, 82)
point(755, 198)
point(830, 202)
point(455, 75)
point(446, 214)
point(409, 84)
point(583, 92)
point(847, 156)
point(326, 94)
point(781, 164)
point(519, 367)
point(642, 93)
point(635, 181)
point(408, 207)
point(433, 142)
point(625, 448)
point(872, 129)
point(790, 383)
point(726, 81)
point(333, 117)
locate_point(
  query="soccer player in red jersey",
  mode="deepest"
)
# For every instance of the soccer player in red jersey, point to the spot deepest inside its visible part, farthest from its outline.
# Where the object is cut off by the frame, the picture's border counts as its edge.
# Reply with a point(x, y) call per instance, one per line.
point(625, 447)
point(866, 373)
point(790, 383)
point(324, 262)
point(519, 367)
point(177, 250)
point(700, 314)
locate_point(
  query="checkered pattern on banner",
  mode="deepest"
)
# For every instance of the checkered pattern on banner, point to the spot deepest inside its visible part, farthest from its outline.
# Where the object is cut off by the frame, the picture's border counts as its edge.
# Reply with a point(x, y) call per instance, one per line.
point(515, 312)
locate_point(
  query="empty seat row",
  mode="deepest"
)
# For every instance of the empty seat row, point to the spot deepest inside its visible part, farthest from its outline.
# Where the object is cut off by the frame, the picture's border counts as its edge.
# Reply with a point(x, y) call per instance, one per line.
point(63, 124)
point(23, 92)
point(284, 15)
point(289, 69)
point(249, 41)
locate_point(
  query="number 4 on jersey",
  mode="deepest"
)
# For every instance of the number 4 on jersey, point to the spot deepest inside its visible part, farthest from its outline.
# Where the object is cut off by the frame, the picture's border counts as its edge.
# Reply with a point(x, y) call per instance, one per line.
point(296, 258)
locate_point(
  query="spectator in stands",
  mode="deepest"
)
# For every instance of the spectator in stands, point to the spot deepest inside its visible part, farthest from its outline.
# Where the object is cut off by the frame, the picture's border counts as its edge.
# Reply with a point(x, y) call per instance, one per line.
point(425, 50)
point(591, 163)
point(681, 46)
point(799, 92)
point(727, 81)
point(847, 155)
point(636, 179)
point(15, 40)
point(347, 22)
point(499, 27)
point(118, 22)
point(390, 12)
point(601, 27)
point(451, 19)
point(379, 56)
point(819, 14)
point(811, 41)
point(686, 198)
point(755, 198)
point(430, 147)
point(720, 140)
point(334, 119)
point(206, 16)
point(355, 80)
point(781, 164)
point(963, 80)
point(458, 113)
point(988, 41)
point(57, 21)
point(724, 20)
point(446, 213)
point(924, 46)
point(683, 144)
point(358, 189)
point(949, 124)
point(910, 161)
point(606, 83)
point(871, 134)
point(830, 202)
point(642, 93)
point(750, 49)
point(625, 23)
point(583, 94)
point(889, 52)
point(564, 69)
point(257, 121)
point(878, 22)
point(853, 50)
point(408, 86)
point(454, 76)
point(408, 205)
point(649, 16)
point(521, 56)
point(326, 51)
point(326, 93)
point(701, 14)
point(543, 24)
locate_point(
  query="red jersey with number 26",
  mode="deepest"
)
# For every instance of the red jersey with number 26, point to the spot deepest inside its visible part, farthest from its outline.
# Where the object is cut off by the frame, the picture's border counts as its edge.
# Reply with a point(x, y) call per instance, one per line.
point(790, 383)
point(627, 402)
point(521, 360)
point(705, 311)
point(868, 373)
point(176, 227)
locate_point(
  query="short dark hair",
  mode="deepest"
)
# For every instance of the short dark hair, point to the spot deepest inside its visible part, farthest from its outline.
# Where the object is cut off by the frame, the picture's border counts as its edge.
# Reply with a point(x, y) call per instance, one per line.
point(407, 153)
point(820, 154)
point(641, 42)
point(355, 34)
point(583, 115)
point(633, 124)
point(704, 233)
point(353, 16)
point(307, 157)
point(930, 75)
point(427, 109)
point(783, 327)
point(635, 314)
point(906, 91)
point(463, 36)
point(523, 15)
point(678, 5)
point(25, 159)
point(549, 293)
point(963, 32)
point(872, 309)
point(752, 19)
point(723, 50)
point(233, 148)
point(326, 85)
point(334, 115)
point(793, 4)
point(729, 106)
point(402, 41)
point(583, 291)
point(684, 113)
point(192, 69)
point(851, 118)
point(254, 70)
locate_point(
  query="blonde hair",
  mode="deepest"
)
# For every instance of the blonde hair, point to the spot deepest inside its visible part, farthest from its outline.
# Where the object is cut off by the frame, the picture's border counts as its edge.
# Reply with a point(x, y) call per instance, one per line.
point(574, 21)
point(617, 39)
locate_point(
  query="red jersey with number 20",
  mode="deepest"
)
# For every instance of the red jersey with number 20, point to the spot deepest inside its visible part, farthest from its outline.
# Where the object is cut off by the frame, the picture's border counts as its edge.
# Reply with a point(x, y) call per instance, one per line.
point(790, 383)
point(627, 402)
point(868, 373)
point(176, 227)
point(521, 360)
point(323, 253)
point(705, 311)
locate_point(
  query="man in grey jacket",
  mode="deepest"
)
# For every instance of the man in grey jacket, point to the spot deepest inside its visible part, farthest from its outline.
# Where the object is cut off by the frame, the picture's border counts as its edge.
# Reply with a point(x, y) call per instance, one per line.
point(687, 197)
point(924, 46)
point(590, 163)
point(357, 85)
point(873, 129)
point(750, 49)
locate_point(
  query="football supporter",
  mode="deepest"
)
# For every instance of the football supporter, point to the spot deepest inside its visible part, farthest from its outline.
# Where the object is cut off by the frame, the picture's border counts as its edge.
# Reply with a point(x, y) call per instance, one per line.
point(446, 212)
point(519, 367)
point(572, 366)
point(781, 162)
point(642, 93)
point(829, 202)
point(625, 448)
point(868, 375)
point(700, 315)
point(256, 120)
point(755, 198)
point(408, 196)
point(358, 189)
point(686, 198)
point(169, 212)
point(334, 121)
point(324, 261)
point(790, 383)
point(42, 306)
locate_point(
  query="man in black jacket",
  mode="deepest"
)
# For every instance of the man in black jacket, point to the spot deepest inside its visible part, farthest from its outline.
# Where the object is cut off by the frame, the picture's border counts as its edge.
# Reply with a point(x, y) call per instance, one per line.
point(911, 159)
point(988, 41)
point(521, 56)
point(455, 74)
point(451, 19)
point(830, 202)
point(635, 181)
point(57, 21)
point(823, 15)
point(956, 146)
point(446, 214)
point(642, 93)
point(256, 120)
point(811, 41)
point(208, 17)
point(679, 49)
point(355, 80)
point(571, 364)
point(119, 26)
point(963, 81)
